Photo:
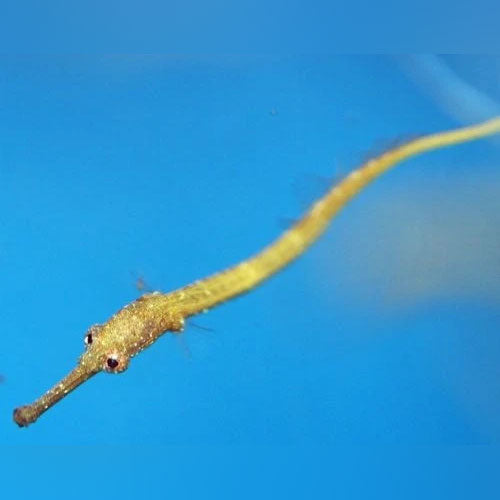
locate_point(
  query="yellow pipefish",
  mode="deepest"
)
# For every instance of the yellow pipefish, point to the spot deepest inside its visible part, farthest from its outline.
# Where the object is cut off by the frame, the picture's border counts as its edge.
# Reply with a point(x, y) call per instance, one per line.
point(110, 346)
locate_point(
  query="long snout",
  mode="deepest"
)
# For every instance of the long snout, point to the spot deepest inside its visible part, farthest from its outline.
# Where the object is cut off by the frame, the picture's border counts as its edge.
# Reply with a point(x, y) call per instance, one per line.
point(26, 415)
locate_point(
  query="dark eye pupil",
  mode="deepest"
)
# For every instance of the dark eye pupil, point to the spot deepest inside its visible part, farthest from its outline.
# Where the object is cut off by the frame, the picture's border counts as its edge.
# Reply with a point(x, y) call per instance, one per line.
point(89, 338)
point(112, 362)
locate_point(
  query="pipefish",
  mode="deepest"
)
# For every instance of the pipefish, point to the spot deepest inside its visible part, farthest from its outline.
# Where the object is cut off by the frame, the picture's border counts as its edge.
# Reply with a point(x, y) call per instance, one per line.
point(109, 346)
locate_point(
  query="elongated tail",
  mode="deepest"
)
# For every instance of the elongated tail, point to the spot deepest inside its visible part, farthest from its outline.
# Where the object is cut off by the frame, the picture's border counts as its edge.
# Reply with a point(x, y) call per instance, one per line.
point(224, 285)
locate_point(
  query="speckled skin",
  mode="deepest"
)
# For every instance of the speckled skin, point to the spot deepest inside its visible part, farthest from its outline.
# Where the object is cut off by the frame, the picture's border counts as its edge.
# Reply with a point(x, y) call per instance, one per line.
point(139, 324)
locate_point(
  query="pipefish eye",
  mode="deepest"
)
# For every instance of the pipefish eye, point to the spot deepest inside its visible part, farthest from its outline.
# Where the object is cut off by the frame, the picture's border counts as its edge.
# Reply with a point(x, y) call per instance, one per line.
point(115, 363)
point(112, 363)
point(91, 334)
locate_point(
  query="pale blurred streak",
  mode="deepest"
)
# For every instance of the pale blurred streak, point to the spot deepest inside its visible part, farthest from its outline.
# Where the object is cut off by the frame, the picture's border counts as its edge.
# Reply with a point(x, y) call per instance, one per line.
point(436, 240)
point(459, 98)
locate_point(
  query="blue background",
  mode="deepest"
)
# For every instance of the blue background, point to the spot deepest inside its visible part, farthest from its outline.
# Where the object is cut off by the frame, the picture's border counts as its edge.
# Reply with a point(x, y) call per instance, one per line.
point(168, 169)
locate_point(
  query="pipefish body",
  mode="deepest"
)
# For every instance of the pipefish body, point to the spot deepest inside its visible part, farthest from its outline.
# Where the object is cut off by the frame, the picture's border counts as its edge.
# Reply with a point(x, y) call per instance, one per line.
point(109, 346)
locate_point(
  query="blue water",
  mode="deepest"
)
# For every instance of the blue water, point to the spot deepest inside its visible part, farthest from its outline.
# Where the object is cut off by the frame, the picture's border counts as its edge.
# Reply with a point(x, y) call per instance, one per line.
point(385, 334)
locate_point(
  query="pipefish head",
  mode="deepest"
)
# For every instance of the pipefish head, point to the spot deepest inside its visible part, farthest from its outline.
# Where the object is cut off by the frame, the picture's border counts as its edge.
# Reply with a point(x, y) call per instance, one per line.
point(109, 347)
point(106, 350)
point(102, 353)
